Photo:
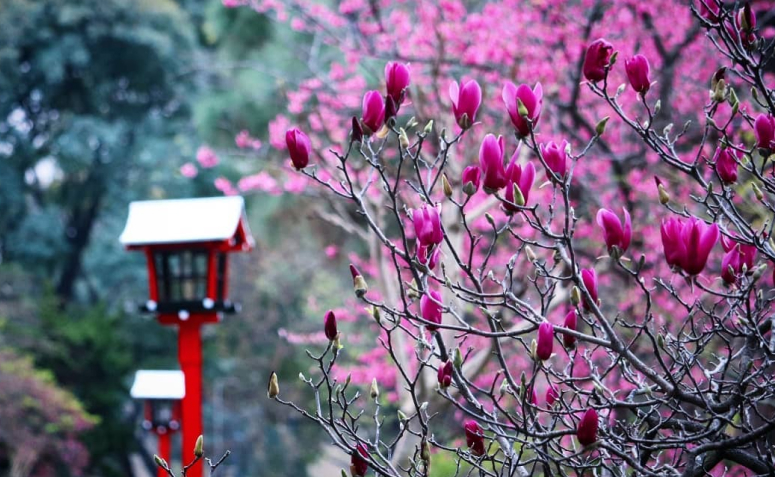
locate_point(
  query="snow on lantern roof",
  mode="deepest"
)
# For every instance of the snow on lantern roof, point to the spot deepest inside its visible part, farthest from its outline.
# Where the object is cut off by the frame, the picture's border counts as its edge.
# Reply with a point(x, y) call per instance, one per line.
point(185, 220)
point(158, 385)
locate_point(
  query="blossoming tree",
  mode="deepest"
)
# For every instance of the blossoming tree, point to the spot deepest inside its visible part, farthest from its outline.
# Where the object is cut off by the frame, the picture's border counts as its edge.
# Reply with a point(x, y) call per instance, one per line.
point(539, 288)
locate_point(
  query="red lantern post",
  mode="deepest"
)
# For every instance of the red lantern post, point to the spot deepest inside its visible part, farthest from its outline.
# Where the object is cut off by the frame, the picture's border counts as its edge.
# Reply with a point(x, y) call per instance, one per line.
point(186, 243)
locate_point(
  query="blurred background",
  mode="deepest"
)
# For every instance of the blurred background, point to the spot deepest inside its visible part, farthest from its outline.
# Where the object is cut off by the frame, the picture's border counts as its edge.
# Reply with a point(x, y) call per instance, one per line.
point(101, 103)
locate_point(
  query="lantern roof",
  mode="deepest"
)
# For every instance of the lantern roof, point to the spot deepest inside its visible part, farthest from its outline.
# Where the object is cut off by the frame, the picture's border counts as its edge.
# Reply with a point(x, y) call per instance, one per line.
point(174, 221)
point(157, 384)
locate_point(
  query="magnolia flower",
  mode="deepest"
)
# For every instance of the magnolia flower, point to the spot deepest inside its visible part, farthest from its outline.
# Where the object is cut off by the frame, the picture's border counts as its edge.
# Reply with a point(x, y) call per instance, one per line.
point(430, 309)
point(445, 374)
point(427, 226)
point(586, 431)
point(614, 233)
point(545, 340)
point(589, 277)
point(555, 157)
point(474, 437)
point(373, 113)
point(491, 162)
point(637, 69)
point(688, 244)
point(329, 325)
point(531, 101)
point(596, 60)
point(466, 100)
point(299, 147)
point(396, 81)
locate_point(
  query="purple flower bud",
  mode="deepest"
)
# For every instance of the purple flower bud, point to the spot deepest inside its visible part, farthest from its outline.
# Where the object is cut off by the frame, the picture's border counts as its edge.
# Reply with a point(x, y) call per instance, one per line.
point(373, 112)
point(474, 437)
point(570, 323)
point(726, 160)
point(586, 431)
point(428, 255)
point(445, 374)
point(637, 69)
point(299, 147)
point(532, 99)
point(466, 100)
point(329, 325)
point(596, 60)
point(357, 131)
point(545, 341)
point(589, 277)
point(552, 395)
point(358, 463)
point(764, 129)
point(709, 10)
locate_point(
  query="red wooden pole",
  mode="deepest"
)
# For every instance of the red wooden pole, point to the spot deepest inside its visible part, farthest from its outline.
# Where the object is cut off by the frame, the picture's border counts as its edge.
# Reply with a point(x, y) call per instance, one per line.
point(190, 357)
point(165, 448)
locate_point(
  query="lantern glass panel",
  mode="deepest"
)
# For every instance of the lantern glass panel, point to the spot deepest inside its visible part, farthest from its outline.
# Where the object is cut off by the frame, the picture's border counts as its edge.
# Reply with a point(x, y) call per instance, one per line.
point(181, 275)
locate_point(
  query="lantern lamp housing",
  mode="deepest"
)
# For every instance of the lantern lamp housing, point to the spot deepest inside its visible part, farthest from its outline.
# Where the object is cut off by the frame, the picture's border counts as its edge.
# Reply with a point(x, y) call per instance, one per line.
point(186, 243)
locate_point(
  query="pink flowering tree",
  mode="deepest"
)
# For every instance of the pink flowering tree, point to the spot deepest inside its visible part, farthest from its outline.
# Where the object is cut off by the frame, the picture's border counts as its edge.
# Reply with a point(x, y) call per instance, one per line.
point(568, 235)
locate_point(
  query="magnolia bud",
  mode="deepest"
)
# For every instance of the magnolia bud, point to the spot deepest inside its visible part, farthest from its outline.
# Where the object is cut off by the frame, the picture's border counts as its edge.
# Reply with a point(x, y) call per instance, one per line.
point(160, 462)
point(531, 255)
point(445, 186)
point(657, 107)
point(374, 391)
point(403, 139)
point(612, 60)
point(759, 271)
point(359, 283)
point(401, 416)
point(344, 474)
point(504, 387)
point(428, 127)
point(664, 197)
point(274, 387)
point(199, 446)
point(522, 109)
point(425, 452)
point(575, 296)
point(757, 191)
point(519, 199)
point(489, 218)
point(457, 358)
point(600, 126)
point(533, 346)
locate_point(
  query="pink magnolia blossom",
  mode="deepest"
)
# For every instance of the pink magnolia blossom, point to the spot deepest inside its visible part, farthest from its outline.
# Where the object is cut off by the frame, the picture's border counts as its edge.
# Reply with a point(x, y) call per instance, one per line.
point(727, 161)
point(586, 431)
point(427, 226)
point(556, 157)
point(430, 309)
point(552, 395)
point(737, 256)
point(466, 100)
point(396, 81)
point(589, 277)
point(615, 233)
point(764, 129)
point(189, 170)
point(491, 161)
point(373, 114)
point(471, 177)
point(688, 244)
point(709, 10)
point(206, 157)
point(531, 99)
point(329, 325)
point(428, 255)
point(597, 59)
point(545, 341)
point(358, 463)
point(445, 374)
point(474, 437)
point(637, 69)
point(520, 176)
point(299, 147)
point(570, 323)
